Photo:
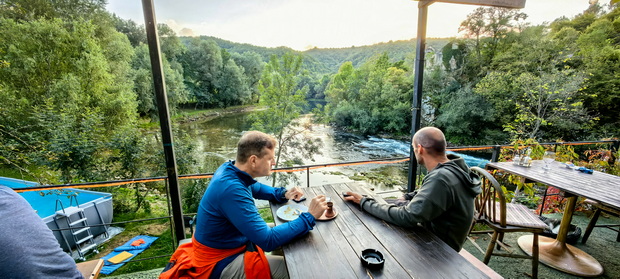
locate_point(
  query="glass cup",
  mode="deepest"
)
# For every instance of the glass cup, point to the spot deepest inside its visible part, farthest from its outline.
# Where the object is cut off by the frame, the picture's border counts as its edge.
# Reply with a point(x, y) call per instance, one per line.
point(548, 158)
point(329, 212)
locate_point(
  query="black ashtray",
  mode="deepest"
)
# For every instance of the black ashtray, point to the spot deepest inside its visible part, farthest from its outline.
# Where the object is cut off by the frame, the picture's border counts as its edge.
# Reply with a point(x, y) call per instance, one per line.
point(372, 259)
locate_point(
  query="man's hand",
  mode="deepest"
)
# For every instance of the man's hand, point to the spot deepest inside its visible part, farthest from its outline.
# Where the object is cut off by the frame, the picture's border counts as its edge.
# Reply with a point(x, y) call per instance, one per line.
point(294, 193)
point(354, 197)
point(318, 205)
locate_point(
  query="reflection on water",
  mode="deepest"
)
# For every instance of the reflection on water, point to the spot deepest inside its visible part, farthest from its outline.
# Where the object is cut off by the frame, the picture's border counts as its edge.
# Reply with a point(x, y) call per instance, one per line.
point(216, 140)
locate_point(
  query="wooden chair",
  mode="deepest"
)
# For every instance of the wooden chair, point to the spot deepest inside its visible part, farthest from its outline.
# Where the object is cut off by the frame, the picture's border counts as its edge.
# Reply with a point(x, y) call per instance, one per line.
point(503, 217)
point(600, 208)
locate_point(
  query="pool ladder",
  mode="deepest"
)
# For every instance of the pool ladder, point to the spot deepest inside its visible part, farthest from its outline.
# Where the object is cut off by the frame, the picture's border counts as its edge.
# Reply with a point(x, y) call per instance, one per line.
point(77, 223)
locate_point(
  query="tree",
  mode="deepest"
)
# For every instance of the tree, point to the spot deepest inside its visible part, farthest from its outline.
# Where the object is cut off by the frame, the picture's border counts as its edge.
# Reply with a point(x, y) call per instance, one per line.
point(144, 86)
point(489, 25)
point(135, 32)
point(252, 65)
point(467, 118)
point(374, 98)
point(283, 104)
point(599, 50)
point(58, 88)
point(546, 99)
point(201, 63)
point(232, 86)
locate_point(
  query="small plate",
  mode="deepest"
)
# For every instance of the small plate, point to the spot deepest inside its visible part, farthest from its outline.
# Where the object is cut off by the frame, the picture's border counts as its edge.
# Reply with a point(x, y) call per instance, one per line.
point(290, 212)
point(325, 218)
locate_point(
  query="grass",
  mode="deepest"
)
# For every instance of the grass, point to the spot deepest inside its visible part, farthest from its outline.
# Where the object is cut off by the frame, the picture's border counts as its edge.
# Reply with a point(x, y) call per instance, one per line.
point(161, 247)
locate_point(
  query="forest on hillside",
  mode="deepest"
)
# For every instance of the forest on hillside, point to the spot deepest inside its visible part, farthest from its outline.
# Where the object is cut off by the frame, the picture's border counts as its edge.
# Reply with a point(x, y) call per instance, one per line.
point(505, 81)
point(76, 88)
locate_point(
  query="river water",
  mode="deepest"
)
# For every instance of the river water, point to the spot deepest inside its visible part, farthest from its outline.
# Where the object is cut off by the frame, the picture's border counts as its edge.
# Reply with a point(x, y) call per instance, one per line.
point(216, 140)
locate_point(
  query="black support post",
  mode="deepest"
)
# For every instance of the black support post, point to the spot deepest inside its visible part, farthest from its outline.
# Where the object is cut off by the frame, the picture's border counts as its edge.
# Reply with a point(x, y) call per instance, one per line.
point(164, 118)
point(496, 150)
point(416, 110)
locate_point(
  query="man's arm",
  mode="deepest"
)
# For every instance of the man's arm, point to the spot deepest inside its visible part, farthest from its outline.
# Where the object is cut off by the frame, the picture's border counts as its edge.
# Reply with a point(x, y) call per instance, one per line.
point(275, 194)
point(430, 202)
point(242, 212)
point(264, 192)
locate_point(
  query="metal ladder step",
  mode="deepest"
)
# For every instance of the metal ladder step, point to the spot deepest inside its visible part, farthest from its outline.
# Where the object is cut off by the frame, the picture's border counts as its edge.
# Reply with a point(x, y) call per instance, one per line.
point(77, 222)
point(91, 246)
point(69, 211)
point(81, 230)
point(83, 240)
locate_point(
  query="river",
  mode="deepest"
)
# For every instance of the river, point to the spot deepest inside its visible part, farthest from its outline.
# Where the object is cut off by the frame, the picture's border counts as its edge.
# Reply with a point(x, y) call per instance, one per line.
point(216, 141)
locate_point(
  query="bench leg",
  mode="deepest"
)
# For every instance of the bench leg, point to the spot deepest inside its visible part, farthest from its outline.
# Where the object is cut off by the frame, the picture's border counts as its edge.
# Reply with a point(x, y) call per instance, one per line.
point(535, 257)
point(591, 225)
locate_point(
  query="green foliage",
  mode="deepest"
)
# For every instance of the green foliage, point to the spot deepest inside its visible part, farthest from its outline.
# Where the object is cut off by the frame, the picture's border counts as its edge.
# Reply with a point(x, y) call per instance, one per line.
point(599, 49)
point(543, 99)
point(63, 98)
point(474, 115)
point(373, 99)
point(144, 86)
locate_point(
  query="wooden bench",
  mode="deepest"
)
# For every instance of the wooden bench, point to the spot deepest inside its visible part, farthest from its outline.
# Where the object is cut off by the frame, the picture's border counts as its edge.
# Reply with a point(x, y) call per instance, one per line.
point(90, 269)
point(479, 264)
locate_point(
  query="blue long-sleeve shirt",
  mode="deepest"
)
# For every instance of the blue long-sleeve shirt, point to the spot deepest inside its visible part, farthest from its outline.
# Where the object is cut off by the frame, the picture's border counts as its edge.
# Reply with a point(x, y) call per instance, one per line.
point(228, 217)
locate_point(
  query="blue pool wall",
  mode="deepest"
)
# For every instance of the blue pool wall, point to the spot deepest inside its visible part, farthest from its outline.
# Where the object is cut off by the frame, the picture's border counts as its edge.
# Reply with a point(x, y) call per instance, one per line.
point(97, 207)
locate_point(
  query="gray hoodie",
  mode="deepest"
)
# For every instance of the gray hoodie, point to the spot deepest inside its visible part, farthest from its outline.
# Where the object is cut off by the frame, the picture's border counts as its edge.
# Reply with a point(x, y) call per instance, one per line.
point(444, 204)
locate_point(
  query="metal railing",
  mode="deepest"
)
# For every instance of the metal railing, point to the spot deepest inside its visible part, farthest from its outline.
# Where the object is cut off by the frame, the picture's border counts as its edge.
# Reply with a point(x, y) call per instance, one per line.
point(495, 149)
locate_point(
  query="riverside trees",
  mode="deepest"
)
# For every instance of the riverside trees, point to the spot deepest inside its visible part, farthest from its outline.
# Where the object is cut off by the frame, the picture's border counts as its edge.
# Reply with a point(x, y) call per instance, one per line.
point(72, 89)
point(505, 81)
point(73, 76)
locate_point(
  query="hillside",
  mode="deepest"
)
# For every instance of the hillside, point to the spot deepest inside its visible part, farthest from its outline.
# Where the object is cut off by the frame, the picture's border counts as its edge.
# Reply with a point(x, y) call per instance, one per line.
point(328, 60)
point(332, 58)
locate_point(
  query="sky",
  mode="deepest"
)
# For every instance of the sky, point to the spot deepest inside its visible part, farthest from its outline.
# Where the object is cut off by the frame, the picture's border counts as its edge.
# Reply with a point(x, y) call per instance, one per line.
point(306, 24)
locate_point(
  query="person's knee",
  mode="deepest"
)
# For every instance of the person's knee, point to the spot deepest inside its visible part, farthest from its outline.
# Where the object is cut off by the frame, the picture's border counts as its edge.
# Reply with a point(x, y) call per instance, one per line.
point(277, 265)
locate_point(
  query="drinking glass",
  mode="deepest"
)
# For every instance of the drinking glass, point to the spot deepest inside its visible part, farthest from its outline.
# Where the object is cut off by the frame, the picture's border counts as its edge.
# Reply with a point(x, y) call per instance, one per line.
point(548, 158)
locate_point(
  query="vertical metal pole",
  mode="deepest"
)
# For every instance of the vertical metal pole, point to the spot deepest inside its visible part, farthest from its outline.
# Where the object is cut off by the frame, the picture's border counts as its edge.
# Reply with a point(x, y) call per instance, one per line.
point(416, 113)
point(496, 151)
point(308, 177)
point(614, 148)
point(164, 117)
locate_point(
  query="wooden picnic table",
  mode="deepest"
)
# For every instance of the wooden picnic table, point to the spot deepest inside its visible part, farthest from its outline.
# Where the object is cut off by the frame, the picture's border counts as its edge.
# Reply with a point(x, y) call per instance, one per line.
point(332, 249)
point(601, 187)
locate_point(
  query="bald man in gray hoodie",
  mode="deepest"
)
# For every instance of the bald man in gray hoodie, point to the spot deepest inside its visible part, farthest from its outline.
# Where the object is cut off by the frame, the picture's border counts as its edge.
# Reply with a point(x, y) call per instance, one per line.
point(445, 202)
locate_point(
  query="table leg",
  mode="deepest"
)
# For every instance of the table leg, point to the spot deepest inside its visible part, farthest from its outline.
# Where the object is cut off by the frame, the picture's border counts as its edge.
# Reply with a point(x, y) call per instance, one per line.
point(559, 255)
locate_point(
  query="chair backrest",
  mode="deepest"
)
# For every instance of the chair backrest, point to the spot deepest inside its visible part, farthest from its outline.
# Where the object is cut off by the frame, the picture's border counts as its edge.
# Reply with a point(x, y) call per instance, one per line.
point(491, 200)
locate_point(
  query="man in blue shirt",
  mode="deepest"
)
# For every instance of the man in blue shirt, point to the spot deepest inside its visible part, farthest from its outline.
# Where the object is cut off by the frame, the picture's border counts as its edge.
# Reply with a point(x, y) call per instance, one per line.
point(228, 217)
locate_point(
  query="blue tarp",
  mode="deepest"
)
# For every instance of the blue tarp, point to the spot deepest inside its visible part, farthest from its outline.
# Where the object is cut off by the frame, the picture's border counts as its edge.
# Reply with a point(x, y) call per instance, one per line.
point(135, 250)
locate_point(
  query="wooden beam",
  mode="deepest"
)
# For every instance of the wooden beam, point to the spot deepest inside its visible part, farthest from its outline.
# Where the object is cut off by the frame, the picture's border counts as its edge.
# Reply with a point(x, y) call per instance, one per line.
point(515, 4)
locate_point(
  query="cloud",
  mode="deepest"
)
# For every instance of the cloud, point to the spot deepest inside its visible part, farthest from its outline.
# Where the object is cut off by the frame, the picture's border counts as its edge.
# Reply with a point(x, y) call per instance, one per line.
point(186, 32)
point(324, 23)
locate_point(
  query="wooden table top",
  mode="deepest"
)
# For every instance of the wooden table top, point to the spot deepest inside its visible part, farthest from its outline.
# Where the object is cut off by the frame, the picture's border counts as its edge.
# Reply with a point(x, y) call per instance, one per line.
point(332, 249)
point(598, 186)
